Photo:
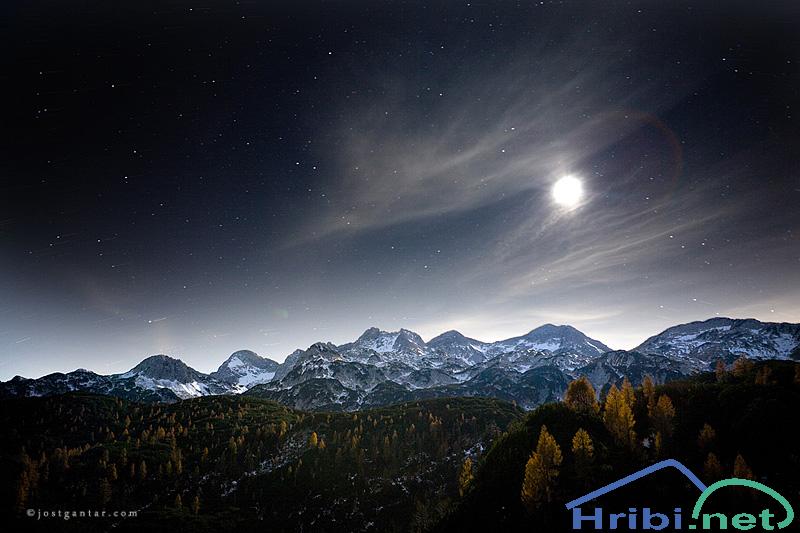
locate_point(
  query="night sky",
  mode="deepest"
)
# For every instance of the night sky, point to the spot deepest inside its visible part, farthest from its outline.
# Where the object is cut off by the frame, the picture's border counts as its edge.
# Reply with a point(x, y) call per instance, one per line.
point(193, 178)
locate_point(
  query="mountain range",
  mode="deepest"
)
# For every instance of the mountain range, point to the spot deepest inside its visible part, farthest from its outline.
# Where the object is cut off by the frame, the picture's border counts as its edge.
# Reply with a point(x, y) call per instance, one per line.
point(381, 368)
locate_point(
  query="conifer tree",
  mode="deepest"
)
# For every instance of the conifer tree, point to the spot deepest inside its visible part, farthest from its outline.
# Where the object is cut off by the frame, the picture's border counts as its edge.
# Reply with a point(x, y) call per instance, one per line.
point(178, 502)
point(706, 437)
point(583, 451)
point(196, 505)
point(541, 470)
point(142, 470)
point(465, 477)
point(534, 483)
point(662, 416)
point(233, 447)
point(740, 468)
point(649, 392)
point(313, 440)
point(582, 448)
point(104, 491)
point(581, 397)
point(44, 468)
point(548, 448)
point(741, 367)
point(719, 370)
point(627, 391)
point(23, 490)
point(618, 418)
point(712, 469)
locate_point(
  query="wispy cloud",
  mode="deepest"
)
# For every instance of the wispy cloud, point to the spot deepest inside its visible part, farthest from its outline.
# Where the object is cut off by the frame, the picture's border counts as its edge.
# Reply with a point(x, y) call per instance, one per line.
point(416, 153)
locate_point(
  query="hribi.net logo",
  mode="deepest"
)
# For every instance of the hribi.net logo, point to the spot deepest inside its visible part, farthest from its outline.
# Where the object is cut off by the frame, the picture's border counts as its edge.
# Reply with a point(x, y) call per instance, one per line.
point(587, 516)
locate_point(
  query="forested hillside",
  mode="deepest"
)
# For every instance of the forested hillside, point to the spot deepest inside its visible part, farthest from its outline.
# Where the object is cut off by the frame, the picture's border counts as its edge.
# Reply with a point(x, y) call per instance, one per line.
point(737, 423)
point(240, 463)
point(225, 463)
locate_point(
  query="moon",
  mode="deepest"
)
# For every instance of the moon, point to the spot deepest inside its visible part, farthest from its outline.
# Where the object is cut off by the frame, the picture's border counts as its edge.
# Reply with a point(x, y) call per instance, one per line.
point(568, 191)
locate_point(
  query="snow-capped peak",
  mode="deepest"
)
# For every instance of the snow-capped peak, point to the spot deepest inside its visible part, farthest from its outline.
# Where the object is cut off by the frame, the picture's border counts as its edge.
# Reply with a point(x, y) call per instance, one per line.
point(164, 372)
point(245, 368)
point(726, 338)
point(163, 367)
point(387, 341)
point(554, 339)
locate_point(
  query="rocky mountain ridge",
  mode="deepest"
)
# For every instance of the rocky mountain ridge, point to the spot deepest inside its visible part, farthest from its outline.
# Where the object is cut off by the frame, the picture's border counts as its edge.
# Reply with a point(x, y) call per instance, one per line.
point(383, 367)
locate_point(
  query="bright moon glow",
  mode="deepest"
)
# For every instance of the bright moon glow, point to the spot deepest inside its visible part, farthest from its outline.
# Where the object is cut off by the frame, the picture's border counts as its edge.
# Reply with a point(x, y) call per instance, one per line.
point(568, 191)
